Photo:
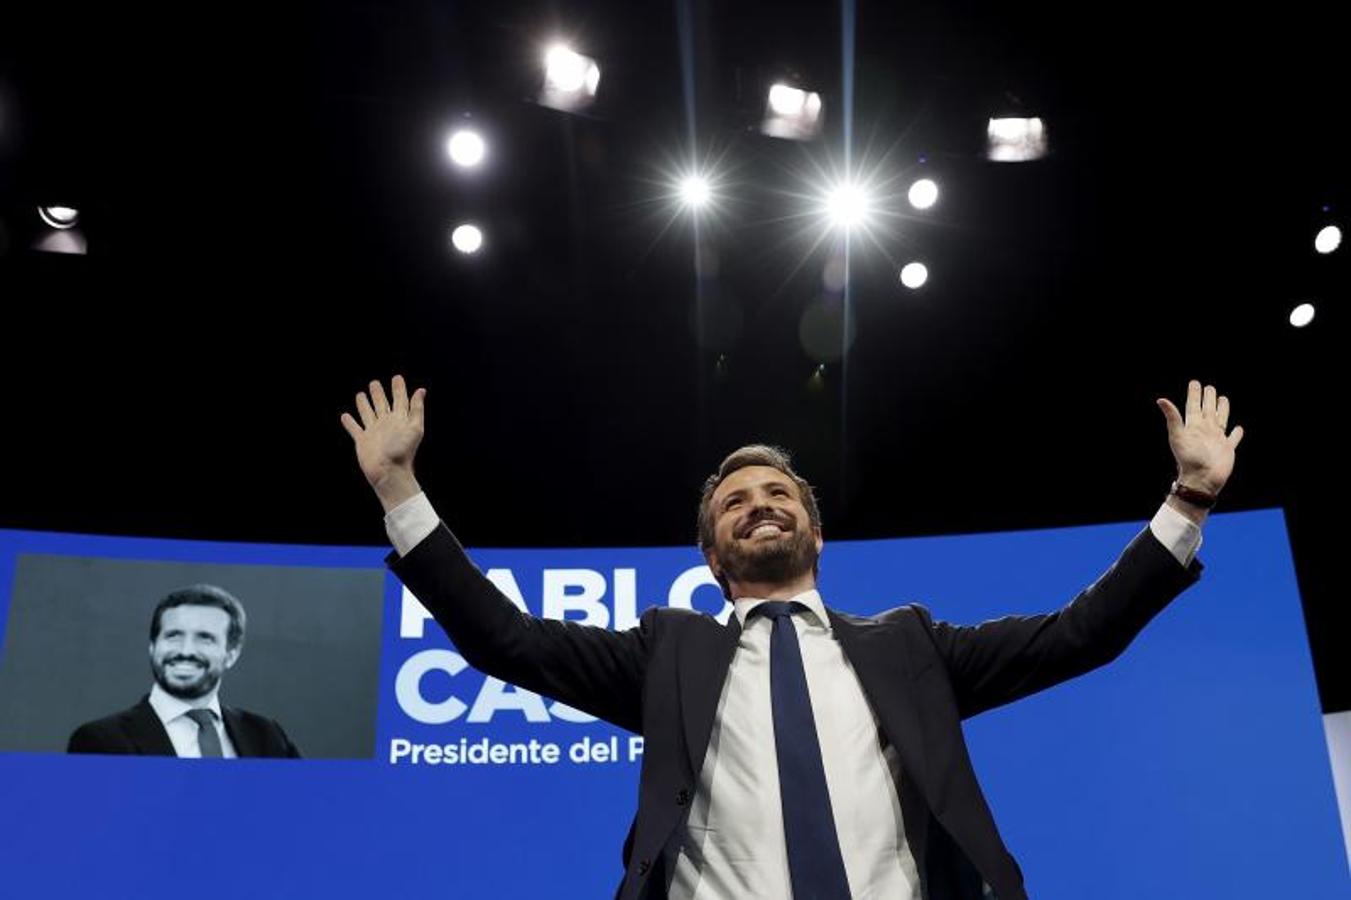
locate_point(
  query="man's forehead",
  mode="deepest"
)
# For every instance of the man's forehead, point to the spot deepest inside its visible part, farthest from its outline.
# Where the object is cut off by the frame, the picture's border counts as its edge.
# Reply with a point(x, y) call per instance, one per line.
point(196, 616)
point(752, 476)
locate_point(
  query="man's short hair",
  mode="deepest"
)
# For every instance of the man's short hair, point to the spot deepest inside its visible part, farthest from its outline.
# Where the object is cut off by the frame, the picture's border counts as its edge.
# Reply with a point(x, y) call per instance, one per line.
point(752, 455)
point(204, 595)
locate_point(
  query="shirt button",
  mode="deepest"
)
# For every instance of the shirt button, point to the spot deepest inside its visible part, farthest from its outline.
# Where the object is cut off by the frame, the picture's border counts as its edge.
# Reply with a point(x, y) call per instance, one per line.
point(683, 797)
point(643, 866)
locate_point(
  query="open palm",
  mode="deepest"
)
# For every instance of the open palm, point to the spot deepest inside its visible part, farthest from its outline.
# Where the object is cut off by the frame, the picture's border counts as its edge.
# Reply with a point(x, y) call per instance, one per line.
point(387, 438)
point(1204, 453)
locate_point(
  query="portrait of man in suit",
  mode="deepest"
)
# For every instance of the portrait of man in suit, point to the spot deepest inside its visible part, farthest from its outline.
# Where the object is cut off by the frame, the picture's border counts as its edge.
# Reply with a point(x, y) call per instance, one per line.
point(196, 636)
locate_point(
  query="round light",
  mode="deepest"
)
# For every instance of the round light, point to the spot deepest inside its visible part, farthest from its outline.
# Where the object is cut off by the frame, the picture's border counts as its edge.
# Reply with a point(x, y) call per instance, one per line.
point(467, 238)
point(786, 101)
point(914, 274)
point(695, 191)
point(847, 206)
point(466, 148)
point(923, 194)
point(565, 69)
point(1301, 315)
point(1328, 239)
point(59, 216)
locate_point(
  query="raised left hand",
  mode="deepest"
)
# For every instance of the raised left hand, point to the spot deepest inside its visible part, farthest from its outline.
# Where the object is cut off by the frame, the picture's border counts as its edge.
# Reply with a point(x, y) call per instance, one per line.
point(1204, 453)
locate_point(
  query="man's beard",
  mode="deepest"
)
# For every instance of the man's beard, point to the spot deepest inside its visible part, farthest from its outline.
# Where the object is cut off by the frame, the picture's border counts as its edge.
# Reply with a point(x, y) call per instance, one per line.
point(779, 561)
point(204, 684)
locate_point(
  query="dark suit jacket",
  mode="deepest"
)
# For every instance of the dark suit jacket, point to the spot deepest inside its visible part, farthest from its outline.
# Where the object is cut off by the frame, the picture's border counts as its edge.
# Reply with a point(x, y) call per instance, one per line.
point(139, 731)
point(922, 677)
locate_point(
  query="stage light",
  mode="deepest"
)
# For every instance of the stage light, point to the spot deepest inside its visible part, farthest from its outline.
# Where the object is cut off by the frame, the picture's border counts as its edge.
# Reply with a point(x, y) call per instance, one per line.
point(59, 217)
point(913, 275)
point(792, 113)
point(1016, 140)
point(466, 148)
point(923, 193)
point(570, 79)
point(695, 191)
point(467, 238)
point(1301, 315)
point(66, 240)
point(816, 381)
point(786, 101)
point(848, 205)
point(1328, 239)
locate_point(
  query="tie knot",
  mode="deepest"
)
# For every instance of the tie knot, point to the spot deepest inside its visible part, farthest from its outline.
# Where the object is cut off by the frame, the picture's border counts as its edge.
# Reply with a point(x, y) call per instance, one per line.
point(203, 717)
point(777, 609)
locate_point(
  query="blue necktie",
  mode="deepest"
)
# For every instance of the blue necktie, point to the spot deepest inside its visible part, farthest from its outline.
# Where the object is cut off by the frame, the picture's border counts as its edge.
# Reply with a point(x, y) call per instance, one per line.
point(207, 738)
point(814, 860)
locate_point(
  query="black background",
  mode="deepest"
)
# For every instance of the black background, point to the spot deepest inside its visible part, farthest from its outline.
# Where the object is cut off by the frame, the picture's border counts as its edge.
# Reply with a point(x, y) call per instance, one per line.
point(267, 204)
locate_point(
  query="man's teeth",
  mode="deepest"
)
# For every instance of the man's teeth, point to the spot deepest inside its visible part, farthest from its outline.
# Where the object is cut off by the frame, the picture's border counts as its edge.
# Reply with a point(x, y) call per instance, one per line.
point(766, 528)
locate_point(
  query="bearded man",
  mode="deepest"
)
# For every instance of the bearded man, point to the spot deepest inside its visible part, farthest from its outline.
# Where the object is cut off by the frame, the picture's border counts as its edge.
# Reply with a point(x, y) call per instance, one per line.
point(196, 636)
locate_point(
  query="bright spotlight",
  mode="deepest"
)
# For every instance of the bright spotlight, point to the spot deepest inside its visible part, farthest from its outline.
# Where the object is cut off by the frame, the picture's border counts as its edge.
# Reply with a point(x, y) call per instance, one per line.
point(848, 206)
point(1328, 239)
point(923, 194)
point(466, 148)
point(914, 274)
point(59, 217)
point(570, 79)
point(786, 101)
point(1016, 140)
point(792, 113)
point(1301, 315)
point(695, 191)
point(467, 238)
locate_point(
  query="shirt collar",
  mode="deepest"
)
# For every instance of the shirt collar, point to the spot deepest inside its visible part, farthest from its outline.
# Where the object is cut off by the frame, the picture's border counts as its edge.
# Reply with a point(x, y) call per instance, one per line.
point(810, 599)
point(168, 707)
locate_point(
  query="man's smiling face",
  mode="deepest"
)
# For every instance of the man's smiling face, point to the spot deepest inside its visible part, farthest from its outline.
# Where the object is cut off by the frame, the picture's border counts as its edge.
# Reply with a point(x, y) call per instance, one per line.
point(762, 533)
point(190, 653)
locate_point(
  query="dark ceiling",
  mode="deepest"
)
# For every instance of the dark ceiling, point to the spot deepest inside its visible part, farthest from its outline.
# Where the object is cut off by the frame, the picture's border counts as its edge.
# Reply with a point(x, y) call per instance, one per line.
point(267, 204)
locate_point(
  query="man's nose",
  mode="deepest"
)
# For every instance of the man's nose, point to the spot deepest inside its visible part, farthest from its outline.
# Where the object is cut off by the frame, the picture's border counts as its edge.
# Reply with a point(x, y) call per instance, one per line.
point(762, 507)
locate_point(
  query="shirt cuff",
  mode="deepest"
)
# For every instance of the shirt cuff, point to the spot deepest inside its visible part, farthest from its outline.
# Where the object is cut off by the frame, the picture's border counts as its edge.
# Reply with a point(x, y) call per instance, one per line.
point(1178, 533)
point(409, 523)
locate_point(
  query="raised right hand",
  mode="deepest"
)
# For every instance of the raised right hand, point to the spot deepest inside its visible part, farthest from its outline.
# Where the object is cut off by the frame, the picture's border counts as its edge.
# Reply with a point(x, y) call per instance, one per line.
point(387, 439)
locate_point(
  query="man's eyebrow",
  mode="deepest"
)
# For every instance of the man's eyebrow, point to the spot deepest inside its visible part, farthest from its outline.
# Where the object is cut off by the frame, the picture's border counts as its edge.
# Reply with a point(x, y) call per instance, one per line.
point(771, 482)
point(732, 496)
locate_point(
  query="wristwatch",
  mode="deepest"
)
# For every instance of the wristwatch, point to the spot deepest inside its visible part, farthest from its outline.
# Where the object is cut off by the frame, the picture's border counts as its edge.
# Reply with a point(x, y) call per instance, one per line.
point(1192, 495)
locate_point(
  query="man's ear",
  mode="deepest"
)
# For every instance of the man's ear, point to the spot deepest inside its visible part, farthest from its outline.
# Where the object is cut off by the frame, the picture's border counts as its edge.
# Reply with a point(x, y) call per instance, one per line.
point(820, 541)
point(232, 655)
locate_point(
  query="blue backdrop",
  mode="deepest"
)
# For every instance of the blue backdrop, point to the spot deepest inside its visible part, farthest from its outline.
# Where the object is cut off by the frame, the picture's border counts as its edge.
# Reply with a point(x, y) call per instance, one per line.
point(1194, 766)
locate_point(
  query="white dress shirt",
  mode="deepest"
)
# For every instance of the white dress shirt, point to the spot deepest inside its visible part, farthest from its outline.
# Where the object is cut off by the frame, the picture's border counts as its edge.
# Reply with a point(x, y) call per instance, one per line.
point(173, 713)
point(732, 845)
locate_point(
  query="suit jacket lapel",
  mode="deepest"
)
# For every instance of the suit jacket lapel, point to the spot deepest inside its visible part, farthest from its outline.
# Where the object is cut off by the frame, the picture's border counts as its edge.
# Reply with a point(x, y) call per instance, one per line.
point(145, 730)
point(702, 670)
point(239, 735)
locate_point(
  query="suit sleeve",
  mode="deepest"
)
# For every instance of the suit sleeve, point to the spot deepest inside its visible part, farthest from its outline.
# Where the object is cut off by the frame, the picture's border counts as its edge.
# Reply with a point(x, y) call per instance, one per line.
point(1006, 659)
point(593, 669)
